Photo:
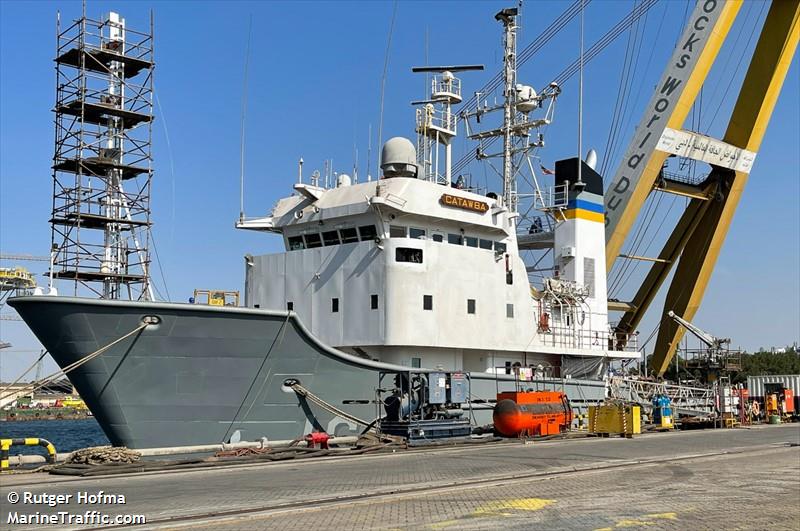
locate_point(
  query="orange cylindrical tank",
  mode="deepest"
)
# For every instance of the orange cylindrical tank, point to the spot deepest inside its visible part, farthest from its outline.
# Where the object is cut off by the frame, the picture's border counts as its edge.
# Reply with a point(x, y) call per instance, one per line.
point(507, 418)
point(531, 413)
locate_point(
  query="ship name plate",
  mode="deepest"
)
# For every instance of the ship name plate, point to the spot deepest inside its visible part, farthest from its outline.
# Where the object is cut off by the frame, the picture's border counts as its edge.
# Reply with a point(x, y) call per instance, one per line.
point(464, 203)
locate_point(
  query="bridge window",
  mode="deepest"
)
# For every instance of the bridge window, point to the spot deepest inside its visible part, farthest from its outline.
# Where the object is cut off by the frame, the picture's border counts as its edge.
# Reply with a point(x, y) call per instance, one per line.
point(367, 232)
point(330, 237)
point(455, 239)
point(416, 363)
point(437, 237)
point(373, 302)
point(418, 234)
point(290, 306)
point(499, 247)
point(471, 306)
point(397, 231)
point(485, 244)
point(427, 302)
point(471, 242)
point(407, 254)
point(335, 305)
point(510, 311)
point(313, 240)
point(349, 235)
point(296, 243)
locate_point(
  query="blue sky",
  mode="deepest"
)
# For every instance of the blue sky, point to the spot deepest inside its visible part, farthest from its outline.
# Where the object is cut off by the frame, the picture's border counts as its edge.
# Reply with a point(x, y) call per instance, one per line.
point(314, 90)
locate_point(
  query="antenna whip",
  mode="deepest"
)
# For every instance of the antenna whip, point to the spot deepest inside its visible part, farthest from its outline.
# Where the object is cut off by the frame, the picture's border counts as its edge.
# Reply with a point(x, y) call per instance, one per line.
point(244, 113)
point(383, 81)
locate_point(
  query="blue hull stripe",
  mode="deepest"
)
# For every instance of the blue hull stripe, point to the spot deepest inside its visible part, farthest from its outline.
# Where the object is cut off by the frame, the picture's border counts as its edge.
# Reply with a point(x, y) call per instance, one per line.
point(586, 205)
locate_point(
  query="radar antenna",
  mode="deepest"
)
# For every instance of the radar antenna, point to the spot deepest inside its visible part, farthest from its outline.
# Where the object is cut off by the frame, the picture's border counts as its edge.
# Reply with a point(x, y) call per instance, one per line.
point(436, 122)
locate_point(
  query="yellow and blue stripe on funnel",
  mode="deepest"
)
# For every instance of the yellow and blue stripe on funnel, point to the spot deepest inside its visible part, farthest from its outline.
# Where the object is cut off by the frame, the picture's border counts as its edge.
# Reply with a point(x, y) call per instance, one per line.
point(585, 209)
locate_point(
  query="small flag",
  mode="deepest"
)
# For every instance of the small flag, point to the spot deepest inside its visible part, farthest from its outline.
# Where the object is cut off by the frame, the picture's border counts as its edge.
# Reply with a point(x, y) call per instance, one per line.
point(546, 171)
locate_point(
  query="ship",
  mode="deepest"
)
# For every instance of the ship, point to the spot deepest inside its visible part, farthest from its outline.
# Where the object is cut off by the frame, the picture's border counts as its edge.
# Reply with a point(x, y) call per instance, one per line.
point(416, 270)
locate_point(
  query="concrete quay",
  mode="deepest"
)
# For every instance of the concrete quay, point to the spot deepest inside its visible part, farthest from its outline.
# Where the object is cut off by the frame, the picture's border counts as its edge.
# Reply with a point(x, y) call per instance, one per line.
point(747, 478)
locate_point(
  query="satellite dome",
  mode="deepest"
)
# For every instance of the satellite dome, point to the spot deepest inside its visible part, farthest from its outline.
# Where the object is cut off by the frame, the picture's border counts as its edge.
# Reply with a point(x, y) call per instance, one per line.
point(526, 98)
point(399, 158)
point(343, 180)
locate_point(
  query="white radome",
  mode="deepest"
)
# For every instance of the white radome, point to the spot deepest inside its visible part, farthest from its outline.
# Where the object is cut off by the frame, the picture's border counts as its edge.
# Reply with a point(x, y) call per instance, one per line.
point(399, 158)
point(591, 159)
point(343, 180)
point(526, 98)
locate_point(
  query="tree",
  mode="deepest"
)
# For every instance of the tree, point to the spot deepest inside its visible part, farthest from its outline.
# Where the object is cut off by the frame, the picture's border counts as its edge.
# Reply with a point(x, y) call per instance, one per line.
point(766, 363)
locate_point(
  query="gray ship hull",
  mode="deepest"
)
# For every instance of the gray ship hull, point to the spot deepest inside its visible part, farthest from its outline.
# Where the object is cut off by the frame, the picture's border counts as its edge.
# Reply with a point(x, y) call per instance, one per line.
point(204, 372)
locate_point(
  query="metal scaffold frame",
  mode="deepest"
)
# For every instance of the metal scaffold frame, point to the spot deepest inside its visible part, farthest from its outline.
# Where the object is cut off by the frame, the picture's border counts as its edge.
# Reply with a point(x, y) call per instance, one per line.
point(102, 162)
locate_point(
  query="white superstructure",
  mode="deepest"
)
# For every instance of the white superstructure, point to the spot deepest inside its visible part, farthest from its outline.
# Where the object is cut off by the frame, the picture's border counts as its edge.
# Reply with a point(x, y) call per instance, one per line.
point(416, 269)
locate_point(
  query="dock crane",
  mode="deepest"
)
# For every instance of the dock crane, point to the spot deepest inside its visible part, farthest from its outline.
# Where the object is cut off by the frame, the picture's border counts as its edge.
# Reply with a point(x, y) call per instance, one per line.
point(718, 356)
point(13, 279)
point(695, 243)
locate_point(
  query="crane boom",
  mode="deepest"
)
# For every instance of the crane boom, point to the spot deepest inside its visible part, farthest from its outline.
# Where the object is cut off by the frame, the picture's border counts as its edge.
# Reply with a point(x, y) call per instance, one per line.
point(675, 93)
point(699, 333)
point(21, 257)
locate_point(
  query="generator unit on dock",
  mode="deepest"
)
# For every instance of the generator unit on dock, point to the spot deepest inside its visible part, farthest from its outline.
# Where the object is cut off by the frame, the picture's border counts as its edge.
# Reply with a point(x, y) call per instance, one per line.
point(424, 406)
point(531, 413)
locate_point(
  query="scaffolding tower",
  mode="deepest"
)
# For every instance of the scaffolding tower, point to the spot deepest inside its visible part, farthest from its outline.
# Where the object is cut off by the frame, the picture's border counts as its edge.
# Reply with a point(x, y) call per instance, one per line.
point(102, 165)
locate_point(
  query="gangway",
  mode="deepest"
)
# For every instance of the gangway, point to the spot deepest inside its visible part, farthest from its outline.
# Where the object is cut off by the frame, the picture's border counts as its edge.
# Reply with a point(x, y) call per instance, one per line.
point(686, 400)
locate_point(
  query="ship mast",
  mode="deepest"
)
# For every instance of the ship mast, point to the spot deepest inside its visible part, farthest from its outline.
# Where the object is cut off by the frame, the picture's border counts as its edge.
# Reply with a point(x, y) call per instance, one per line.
point(508, 18)
point(114, 252)
point(519, 129)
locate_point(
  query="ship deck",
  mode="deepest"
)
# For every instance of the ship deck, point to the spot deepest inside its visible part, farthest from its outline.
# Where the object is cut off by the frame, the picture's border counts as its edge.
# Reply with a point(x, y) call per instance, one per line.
point(678, 480)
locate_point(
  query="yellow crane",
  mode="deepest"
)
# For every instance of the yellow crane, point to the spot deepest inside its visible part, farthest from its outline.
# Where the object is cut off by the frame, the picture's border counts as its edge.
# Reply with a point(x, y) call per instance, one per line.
point(14, 279)
point(695, 242)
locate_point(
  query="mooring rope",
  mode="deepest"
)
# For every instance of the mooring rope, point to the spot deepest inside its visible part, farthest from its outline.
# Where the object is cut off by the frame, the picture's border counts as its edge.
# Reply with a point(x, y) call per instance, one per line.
point(29, 369)
point(101, 455)
point(35, 386)
point(305, 393)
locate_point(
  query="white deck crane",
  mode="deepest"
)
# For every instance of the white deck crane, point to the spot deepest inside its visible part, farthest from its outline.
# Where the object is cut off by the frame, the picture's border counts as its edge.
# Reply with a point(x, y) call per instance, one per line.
point(718, 355)
point(712, 342)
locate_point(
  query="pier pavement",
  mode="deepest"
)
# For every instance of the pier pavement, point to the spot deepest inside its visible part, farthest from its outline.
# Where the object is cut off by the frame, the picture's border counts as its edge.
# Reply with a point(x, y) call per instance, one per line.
point(745, 478)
